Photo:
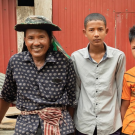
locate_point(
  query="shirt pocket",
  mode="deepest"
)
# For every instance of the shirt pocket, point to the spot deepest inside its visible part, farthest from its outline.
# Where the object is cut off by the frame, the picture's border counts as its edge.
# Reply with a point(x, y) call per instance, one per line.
point(54, 89)
point(57, 85)
point(56, 80)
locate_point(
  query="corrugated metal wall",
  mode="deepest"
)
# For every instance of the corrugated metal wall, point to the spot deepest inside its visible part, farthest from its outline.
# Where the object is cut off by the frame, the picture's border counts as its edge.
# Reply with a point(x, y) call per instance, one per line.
point(70, 14)
point(124, 22)
point(8, 43)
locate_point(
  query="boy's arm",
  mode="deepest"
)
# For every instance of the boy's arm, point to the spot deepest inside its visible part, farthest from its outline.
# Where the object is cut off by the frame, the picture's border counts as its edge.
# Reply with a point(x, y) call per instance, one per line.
point(78, 81)
point(126, 96)
point(119, 76)
point(124, 106)
point(3, 108)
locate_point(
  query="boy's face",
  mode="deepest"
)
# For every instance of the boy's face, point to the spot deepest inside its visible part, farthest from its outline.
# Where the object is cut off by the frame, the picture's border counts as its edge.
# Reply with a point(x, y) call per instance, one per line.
point(95, 31)
point(133, 47)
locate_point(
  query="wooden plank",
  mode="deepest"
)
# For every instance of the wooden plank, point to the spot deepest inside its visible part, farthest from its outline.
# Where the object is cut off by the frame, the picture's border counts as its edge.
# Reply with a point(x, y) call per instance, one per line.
point(8, 123)
point(5, 132)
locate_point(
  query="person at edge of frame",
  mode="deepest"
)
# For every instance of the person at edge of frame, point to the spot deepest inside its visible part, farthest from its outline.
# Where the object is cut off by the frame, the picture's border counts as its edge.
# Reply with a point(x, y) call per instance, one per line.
point(128, 93)
point(99, 77)
point(42, 81)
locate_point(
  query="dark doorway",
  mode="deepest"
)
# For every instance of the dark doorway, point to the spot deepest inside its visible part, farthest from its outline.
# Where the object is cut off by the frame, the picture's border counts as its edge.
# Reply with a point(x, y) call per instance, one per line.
point(26, 3)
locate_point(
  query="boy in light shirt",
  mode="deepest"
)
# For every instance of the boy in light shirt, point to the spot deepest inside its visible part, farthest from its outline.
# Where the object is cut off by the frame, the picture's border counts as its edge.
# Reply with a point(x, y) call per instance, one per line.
point(99, 70)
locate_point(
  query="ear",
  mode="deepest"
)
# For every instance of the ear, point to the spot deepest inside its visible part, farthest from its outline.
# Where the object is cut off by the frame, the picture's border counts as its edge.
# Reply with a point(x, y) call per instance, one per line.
point(107, 29)
point(84, 32)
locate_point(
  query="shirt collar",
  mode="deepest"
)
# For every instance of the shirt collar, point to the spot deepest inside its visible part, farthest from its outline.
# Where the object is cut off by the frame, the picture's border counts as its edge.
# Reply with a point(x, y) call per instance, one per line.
point(28, 57)
point(50, 57)
point(108, 52)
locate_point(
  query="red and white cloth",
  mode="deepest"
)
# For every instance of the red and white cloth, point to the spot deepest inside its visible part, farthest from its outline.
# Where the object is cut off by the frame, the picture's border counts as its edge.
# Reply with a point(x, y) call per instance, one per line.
point(51, 117)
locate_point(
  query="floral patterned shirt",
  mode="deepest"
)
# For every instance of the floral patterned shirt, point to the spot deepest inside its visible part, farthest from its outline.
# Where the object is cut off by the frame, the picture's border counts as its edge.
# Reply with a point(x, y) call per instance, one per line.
point(51, 86)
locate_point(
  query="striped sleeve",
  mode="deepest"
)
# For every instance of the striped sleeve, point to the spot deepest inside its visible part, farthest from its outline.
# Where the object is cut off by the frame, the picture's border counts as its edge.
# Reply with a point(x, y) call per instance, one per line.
point(126, 91)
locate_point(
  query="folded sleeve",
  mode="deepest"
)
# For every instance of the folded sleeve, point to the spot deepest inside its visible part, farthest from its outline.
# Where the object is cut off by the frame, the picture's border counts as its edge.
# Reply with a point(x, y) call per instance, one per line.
point(9, 88)
point(78, 81)
point(119, 75)
point(126, 91)
point(71, 84)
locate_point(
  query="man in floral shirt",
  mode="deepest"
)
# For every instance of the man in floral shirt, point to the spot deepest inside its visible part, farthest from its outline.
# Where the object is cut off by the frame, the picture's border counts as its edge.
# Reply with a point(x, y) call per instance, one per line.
point(42, 81)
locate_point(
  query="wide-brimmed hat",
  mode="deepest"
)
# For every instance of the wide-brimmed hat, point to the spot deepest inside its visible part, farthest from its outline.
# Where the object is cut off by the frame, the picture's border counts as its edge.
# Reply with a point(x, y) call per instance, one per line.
point(37, 22)
point(40, 22)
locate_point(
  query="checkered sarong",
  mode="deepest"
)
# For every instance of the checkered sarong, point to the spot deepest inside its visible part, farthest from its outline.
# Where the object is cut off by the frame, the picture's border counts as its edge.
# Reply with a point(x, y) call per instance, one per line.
point(51, 117)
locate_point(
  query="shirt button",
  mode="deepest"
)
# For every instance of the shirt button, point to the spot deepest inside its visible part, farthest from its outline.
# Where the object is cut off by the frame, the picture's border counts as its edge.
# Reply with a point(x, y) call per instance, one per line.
point(96, 116)
point(96, 103)
point(96, 78)
point(96, 91)
point(97, 65)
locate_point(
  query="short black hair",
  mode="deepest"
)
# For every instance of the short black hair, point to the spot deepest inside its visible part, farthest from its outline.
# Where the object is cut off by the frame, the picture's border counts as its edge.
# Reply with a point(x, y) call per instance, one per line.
point(132, 34)
point(94, 16)
point(24, 48)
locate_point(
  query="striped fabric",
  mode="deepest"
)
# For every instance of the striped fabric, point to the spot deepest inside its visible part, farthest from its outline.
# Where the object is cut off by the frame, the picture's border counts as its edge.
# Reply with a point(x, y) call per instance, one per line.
point(58, 47)
point(51, 117)
point(128, 93)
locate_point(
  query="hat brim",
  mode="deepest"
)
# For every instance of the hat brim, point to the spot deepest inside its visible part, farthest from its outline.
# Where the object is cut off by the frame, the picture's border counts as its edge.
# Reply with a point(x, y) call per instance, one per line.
point(48, 27)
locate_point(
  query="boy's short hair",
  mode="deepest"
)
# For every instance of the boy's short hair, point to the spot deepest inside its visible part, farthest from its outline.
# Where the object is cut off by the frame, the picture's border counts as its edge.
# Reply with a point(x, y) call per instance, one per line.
point(132, 34)
point(94, 16)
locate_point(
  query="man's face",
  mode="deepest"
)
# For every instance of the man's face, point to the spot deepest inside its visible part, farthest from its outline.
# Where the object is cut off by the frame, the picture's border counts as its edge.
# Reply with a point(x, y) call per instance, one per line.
point(37, 42)
point(133, 47)
point(95, 31)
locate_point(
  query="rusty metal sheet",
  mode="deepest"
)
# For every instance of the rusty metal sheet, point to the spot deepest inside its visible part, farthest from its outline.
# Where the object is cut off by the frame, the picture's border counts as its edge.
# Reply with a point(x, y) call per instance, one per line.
point(7, 33)
point(124, 21)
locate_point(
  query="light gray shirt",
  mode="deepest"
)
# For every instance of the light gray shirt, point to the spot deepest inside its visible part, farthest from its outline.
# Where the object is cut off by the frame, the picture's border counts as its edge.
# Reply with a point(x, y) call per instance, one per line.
point(98, 91)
